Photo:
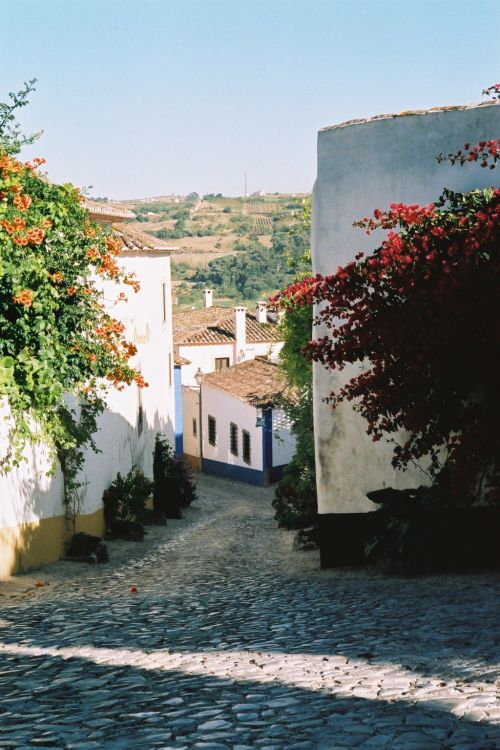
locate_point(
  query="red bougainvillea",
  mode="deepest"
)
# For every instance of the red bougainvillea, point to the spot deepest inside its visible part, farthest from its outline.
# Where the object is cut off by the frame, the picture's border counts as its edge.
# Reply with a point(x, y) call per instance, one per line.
point(422, 311)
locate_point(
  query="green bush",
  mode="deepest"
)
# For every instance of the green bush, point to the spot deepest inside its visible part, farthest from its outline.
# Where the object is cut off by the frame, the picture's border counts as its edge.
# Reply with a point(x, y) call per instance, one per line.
point(295, 500)
point(125, 499)
point(174, 487)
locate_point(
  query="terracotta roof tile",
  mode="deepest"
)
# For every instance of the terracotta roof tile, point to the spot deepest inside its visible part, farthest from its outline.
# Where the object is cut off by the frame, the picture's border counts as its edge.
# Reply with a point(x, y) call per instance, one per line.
point(103, 211)
point(258, 381)
point(216, 325)
point(137, 243)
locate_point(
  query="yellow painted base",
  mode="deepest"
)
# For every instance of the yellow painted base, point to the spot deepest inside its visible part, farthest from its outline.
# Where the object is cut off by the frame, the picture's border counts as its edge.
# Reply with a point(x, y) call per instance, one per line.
point(193, 461)
point(29, 545)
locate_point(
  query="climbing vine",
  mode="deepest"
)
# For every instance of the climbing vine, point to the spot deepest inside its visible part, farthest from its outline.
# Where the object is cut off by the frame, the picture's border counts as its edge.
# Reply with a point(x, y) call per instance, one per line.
point(56, 337)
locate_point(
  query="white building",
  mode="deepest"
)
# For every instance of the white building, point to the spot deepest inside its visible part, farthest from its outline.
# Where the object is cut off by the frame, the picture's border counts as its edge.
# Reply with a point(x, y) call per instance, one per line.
point(363, 165)
point(244, 434)
point(211, 339)
point(33, 527)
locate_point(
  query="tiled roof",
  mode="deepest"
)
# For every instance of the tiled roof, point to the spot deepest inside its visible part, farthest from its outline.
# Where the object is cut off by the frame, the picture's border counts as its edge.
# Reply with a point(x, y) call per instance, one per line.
point(137, 243)
point(216, 325)
point(102, 211)
point(178, 360)
point(258, 381)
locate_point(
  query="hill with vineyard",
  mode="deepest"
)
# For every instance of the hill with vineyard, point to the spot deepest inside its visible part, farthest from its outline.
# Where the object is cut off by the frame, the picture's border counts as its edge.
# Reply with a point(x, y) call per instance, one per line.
point(240, 247)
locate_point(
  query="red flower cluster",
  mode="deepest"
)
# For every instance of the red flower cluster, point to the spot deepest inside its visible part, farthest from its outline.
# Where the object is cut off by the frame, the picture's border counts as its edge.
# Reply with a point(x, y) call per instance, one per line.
point(487, 153)
point(423, 309)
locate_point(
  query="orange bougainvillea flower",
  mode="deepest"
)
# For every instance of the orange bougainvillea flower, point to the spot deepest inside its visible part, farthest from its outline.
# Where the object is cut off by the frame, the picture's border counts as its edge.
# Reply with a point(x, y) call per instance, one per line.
point(112, 245)
point(22, 202)
point(140, 381)
point(70, 291)
point(132, 281)
point(86, 290)
point(8, 226)
point(90, 231)
point(47, 223)
point(35, 235)
point(92, 253)
point(20, 239)
point(57, 277)
point(24, 297)
point(108, 266)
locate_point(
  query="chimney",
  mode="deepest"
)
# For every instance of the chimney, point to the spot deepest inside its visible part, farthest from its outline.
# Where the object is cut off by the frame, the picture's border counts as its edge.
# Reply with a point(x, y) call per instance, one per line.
point(240, 333)
point(207, 298)
point(261, 312)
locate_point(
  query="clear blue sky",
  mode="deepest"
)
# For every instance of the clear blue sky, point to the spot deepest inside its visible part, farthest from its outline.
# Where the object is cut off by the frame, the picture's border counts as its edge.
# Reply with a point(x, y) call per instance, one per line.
point(147, 97)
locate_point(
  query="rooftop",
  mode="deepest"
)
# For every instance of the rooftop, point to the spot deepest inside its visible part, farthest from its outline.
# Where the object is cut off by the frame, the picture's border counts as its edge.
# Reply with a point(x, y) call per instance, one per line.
point(137, 243)
point(101, 211)
point(258, 381)
point(216, 325)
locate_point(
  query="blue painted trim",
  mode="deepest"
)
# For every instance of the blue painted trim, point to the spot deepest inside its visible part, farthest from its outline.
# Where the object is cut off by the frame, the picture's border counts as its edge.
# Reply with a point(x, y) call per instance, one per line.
point(267, 439)
point(179, 416)
point(229, 471)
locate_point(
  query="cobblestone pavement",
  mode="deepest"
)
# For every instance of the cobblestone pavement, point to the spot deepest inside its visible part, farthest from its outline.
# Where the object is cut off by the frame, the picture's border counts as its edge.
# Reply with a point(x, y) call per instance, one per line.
point(233, 641)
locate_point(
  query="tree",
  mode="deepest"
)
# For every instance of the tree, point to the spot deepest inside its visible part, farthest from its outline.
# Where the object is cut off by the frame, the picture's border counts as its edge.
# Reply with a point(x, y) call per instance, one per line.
point(11, 138)
point(56, 337)
point(295, 499)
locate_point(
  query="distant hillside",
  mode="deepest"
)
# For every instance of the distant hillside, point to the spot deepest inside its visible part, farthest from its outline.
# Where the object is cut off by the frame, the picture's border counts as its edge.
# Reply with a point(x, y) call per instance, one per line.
point(237, 246)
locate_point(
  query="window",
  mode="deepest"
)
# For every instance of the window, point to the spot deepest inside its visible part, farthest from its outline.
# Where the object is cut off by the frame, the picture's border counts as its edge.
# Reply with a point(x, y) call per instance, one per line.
point(195, 428)
point(233, 438)
point(212, 431)
point(164, 300)
point(221, 363)
point(246, 447)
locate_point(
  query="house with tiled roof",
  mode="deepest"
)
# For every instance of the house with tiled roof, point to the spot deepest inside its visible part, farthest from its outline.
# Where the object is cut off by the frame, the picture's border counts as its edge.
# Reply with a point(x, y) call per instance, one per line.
point(212, 339)
point(245, 434)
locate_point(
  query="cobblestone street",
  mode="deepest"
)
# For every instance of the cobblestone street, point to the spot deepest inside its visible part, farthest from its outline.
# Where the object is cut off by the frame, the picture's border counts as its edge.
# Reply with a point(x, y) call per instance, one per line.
point(233, 641)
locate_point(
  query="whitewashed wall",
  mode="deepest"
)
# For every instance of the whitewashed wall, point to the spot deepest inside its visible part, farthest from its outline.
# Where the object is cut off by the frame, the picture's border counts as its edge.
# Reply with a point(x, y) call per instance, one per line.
point(191, 404)
point(226, 408)
point(204, 356)
point(283, 441)
point(28, 495)
point(363, 165)
point(119, 439)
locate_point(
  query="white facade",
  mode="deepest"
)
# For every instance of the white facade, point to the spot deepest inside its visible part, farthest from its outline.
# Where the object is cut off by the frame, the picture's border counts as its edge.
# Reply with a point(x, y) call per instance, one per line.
point(227, 409)
point(148, 323)
point(32, 526)
point(283, 440)
point(362, 166)
point(203, 356)
point(191, 427)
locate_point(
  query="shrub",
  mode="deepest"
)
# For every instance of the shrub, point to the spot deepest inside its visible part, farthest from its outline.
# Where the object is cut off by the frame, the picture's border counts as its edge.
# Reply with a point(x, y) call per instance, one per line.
point(295, 497)
point(125, 499)
point(174, 487)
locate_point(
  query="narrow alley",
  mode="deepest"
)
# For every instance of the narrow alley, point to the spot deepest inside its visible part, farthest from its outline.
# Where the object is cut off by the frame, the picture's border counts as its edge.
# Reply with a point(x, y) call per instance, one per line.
point(232, 641)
